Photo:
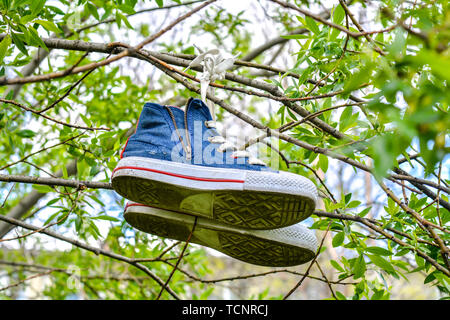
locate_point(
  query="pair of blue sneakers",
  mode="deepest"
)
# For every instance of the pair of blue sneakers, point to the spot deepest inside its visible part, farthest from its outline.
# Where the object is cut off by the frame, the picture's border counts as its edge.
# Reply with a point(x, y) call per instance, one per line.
point(183, 179)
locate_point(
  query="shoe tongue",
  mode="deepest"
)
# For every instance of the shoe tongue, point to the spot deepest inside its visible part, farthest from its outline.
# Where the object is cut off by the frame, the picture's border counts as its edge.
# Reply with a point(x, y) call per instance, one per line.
point(197, 110)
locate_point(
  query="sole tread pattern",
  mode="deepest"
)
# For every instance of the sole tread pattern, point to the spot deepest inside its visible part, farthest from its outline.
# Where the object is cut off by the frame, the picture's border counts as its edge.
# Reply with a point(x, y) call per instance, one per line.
point(244, 248)
point(158, 226)
point(260, 210)
point(262, 252)
point(246, 209)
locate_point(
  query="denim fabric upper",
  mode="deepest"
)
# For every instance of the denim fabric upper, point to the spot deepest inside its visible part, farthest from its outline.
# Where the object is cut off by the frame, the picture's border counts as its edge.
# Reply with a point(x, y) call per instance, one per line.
point(156, 137)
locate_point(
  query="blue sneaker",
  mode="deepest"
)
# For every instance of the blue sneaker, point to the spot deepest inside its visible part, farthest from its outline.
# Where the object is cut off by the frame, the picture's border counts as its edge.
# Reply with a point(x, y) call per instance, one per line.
point(178, 161)
point(283, 247)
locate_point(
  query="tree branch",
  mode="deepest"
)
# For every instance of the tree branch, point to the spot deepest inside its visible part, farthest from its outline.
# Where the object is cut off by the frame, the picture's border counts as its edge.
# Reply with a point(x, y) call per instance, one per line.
point(38, 113)
point(97, 251)
point(80, 185)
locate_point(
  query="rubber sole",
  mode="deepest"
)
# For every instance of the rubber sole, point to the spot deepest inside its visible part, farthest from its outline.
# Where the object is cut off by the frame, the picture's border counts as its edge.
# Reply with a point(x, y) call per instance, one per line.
point(259, 247)
point(245, 209)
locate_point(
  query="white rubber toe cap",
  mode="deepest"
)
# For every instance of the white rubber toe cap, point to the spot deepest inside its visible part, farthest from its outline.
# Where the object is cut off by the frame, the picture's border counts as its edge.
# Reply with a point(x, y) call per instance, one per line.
point(282, 182)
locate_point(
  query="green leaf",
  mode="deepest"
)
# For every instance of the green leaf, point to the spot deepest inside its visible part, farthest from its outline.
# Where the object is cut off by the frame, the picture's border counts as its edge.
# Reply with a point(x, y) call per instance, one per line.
point(402, 252)
point(382, 263)
point(429, 278)
point(359, 268)
point(19, 3)
point(48, 25)
point(63, 217)
point(19, 43)
point(89, 7)
point(36, 7)
point(34, 37)
point(26, 133)
point(353, 204)
point(336, 265)
point(383, 154)
point(86, 120)
point(398, 46)
point(6, 4)
point(56, 10)
point(94, 230)
point(334, 33)
point(42, 189)
point(104, 217)
point(323, 162)
point(312, 25)
point(93, 197)
point(64, 172)
point(439, 64)
point(120, 17)
point(291, 114)
point(6, 42)
point(94, 171)
point(338, 14)
point(347, 198)
point(51, 218)
point(340, 296)
point(345, 119)
point(359, 78)
point(338, 239)
point(127, 9)
point(53, 201)
point(364, 212)
point(377, 295)
point(378, 251)
point(159, 3)
point(296, 36)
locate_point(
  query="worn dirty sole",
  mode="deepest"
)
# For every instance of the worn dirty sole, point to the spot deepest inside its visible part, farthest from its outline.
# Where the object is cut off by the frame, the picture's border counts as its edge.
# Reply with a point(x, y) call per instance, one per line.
point(282, 247)
point(242, 198)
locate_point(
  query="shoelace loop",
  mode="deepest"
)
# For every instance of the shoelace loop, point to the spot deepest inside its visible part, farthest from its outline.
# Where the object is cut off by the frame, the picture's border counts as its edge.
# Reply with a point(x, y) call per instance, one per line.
point(214, 68)
point(225, 145)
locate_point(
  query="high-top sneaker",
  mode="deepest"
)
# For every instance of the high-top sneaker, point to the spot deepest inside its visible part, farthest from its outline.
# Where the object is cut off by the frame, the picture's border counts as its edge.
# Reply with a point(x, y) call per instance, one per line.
point(177, 161)
point(283, 247)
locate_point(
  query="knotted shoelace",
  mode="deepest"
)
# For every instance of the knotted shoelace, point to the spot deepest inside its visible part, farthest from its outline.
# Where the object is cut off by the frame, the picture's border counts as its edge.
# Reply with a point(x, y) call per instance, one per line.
point(214, 68)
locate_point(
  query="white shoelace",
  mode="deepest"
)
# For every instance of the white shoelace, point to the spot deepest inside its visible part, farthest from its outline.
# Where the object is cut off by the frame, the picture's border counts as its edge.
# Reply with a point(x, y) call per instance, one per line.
point(214, 68)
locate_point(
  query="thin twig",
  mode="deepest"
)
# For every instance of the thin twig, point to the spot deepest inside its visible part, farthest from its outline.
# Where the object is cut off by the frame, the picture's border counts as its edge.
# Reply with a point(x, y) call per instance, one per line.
point(136, 13)
point(64, 216)
point(299, 283)
point(73, 86)
point(7, 196)
point(360, 28)
point(326, 279)
point(178, 261)
point(39, 151)
point(26, 279)
point(97, 251)
point(261, 274)
point(428, 225)
point(15, 103)
point(80, 185)
point(124, 53)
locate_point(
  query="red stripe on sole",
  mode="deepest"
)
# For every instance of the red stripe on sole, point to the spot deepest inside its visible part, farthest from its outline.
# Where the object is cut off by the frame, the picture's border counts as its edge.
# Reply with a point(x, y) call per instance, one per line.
point(178, 175)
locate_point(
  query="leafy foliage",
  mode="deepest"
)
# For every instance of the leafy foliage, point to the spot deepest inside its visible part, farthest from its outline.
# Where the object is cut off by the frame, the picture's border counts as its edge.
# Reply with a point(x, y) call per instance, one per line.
point(385, 92)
